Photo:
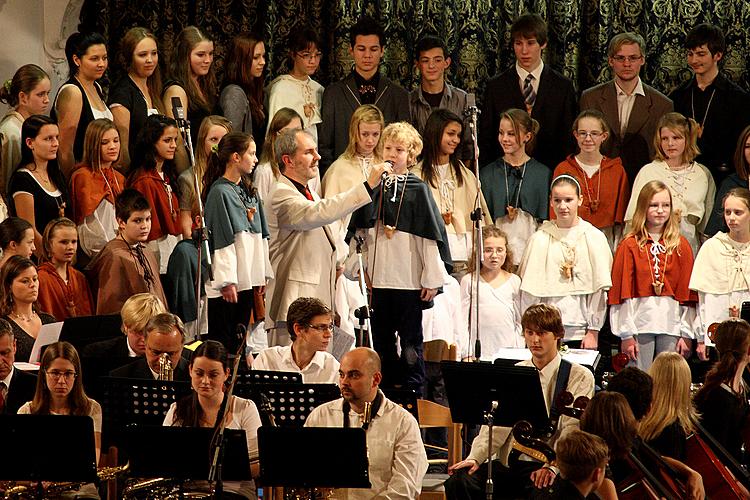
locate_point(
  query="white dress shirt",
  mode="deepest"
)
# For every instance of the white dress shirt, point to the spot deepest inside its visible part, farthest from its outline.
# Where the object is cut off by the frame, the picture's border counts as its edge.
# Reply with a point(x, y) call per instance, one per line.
point(322, 369)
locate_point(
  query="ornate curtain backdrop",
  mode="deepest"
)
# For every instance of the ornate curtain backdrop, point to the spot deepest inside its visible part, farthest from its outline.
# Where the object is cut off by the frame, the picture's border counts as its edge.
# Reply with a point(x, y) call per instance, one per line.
point(476, 32)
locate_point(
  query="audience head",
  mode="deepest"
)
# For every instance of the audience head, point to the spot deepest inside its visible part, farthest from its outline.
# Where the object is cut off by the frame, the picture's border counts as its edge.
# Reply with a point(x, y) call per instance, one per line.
point(60, 241)
point(736, 205)
point(310, 322)
point(367, 41)
point(400, 144)
point(742, 154)
point(625, 55)
point(304, 51)
point(20, 284)
point(28, 91)
point(590, 130)
point(637, 387)
point(17, 237)
point(565, 199)
point(543, 329)
point(136, 312)
point(517, 131)
point(671, 396)
point(365, 128)
point(139, 56)
point(676, 138)
point(191, 66)
point(165, 333)
point(40, 140)
point(582, 458)
point(60, 379)
point(360, 376)
point(7, 349)
point(497, 253)
point(732, 340)
point(284, 119)
point(297, 155)
point(432, 58)
point(653, 214)
point(209, 369)
point(528, 34)
point(442, 136)
point(705, 38)
point(133, 215)
point(245, 62)
point(608, 415)
point(101, 146)
point(87, 55)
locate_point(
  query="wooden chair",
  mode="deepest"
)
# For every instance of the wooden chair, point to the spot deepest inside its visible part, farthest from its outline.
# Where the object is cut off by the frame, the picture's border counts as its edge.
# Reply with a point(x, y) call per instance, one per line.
point(433, 415)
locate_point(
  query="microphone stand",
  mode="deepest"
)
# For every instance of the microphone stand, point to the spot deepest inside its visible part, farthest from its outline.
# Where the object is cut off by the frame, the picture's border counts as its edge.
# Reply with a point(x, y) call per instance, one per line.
point(472, 113)
point(217, 442)
point(363, 313)
point(200, 235)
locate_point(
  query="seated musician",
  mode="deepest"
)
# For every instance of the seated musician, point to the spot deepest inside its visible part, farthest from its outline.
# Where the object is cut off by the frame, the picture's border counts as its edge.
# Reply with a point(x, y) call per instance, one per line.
point(722, 401)
point(165, 335)
point(310, 325)
point(637, 387)
point(543, 331)
point(135, 314)
point(16, 386)
point(582, 459)
point(59, 391)
point(395, 450)
point(208, 374)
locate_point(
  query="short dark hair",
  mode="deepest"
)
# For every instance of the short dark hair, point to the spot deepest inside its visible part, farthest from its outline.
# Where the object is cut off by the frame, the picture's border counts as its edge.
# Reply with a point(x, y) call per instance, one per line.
point(428, 42)
point(302, 311)
point(129, 201)
point(165, 323)
point(13, 230)
point(529, 26)
point(6, 329)
point(579, 454)
point(366, 26)
point(709, 35)
point(637, 387)
point(301, 39)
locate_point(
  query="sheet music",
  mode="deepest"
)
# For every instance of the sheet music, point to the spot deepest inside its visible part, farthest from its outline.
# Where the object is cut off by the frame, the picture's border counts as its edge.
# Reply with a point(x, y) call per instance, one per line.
point(585, 357)
point(48, 334)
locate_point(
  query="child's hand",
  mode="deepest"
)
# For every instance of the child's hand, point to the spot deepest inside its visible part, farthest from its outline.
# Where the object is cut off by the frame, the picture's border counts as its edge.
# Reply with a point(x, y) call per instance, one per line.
point(428, 294)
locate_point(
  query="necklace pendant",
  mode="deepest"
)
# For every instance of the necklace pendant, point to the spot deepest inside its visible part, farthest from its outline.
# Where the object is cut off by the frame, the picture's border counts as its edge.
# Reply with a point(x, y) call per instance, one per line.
point(566, 270)
point(389, 230)
point(594, 206)
point(658, 287)
point(734, 312)
point(700, 127)
point(61, 209)
point(309, 110)
point(250, 214)
point(447, 217)
point(512, 212)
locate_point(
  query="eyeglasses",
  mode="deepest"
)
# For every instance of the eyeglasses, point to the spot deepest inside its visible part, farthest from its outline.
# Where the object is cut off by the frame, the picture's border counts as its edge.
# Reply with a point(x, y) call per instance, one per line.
point(490, 251)
point(594, 135)
point(630, 59)
point(309, 56)
point(322, 328)
point(57, 375)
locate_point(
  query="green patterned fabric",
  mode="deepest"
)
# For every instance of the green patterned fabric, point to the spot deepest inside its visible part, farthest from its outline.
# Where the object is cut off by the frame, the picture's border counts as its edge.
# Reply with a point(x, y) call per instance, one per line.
point(476, 32)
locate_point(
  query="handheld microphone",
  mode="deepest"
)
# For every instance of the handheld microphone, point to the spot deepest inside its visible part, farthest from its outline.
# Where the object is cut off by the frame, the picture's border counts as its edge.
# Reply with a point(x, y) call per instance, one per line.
point(385, 175)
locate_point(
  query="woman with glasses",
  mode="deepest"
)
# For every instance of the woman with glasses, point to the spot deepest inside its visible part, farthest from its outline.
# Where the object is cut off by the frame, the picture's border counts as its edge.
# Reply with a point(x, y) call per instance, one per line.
point(59, 391)
point(297, 89)
point(310, 326)
point(18, 303)
point(241, 100)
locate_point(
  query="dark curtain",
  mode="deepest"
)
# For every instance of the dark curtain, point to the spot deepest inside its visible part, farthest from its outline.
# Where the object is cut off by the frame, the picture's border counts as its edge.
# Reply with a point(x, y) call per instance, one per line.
point(476, 32)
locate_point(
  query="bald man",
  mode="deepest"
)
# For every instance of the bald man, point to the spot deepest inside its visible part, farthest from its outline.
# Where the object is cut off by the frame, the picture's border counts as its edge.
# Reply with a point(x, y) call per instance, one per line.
point(394, 445)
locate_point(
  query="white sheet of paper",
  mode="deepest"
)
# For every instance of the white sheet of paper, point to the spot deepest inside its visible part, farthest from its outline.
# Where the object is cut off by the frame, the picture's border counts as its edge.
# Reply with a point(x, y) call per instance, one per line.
point(583, 357)
point(48, 334)
point(26, 367)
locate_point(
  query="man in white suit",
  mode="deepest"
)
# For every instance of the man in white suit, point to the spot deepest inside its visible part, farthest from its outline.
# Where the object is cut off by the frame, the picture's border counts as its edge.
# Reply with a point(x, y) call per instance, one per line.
point(302, 246)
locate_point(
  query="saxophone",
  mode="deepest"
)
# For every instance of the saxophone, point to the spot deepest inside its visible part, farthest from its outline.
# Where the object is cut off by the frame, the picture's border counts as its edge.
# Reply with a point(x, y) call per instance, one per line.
point(103, 474)
point(166, 371)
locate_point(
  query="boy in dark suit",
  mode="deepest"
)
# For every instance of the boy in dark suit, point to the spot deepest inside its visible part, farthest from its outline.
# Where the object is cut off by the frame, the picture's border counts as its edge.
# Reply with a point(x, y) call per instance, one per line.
point(545, 94)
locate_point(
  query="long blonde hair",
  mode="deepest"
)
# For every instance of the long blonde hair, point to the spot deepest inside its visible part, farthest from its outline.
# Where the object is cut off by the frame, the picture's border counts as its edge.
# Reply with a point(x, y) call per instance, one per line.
point(682, 127)
point(367, 113)
point(671, 233)
point(671, 402)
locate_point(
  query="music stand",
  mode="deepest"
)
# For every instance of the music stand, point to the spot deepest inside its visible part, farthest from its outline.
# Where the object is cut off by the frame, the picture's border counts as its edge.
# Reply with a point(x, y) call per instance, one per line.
point(189, 452)
point(291, 403)
point(339, 461)
point(84, 330)
point(494, 394)
point(405, 398)
point(268, 377)
point(56, 448)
